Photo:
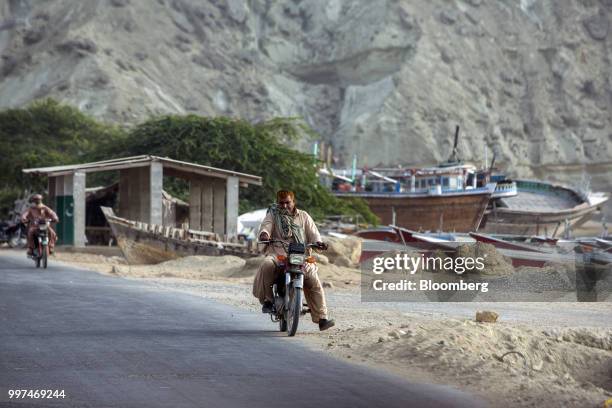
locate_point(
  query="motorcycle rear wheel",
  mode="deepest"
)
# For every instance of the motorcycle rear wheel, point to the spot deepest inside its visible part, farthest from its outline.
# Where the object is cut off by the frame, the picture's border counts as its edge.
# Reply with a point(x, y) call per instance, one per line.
point(294, 310)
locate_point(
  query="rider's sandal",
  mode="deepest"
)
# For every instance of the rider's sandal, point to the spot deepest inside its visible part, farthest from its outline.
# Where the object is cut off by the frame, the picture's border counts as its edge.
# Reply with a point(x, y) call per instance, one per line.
point(325, 324)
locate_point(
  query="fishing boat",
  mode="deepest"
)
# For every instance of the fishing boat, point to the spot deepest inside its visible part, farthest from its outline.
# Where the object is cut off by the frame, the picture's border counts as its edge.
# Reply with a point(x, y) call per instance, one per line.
point(541, 208)
point(447, 197)
point(143, 243)
point(457, 196)
point(444, 197)
point(534, 254)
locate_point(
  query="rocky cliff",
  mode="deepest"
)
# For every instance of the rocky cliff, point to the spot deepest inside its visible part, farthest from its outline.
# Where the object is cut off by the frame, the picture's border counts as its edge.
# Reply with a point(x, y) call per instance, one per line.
point(386, 80)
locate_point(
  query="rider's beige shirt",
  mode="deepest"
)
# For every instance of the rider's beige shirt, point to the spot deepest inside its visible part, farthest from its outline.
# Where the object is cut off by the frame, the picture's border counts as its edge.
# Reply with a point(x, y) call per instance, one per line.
point(33, 214)
point(301, 218)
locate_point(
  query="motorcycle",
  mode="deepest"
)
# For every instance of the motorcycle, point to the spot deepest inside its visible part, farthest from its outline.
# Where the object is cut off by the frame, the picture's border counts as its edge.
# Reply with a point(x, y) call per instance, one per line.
point(13, 231)
point(40, 255)
point(15, 235)
point(288, 289)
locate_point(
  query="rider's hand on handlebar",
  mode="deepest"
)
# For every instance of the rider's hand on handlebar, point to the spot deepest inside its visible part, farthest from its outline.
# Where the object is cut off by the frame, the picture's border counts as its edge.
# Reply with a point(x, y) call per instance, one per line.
point(322, 245)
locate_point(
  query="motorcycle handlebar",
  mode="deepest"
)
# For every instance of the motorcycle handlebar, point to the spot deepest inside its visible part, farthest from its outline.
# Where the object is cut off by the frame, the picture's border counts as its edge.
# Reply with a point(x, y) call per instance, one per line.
point(318, 245)
point(36, 222)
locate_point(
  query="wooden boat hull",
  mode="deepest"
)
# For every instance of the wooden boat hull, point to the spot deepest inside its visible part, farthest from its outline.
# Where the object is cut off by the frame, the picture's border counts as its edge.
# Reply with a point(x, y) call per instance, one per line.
point(460, 212)
point(541, 208)
point(380, 241)
point(149, 244)
point(504, 221)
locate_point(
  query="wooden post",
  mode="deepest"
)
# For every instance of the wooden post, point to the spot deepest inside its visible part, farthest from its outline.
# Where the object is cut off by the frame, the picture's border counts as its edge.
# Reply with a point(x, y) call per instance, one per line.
point(207, 205)
point(231, 219)
point(134, 193)
point(78, 194)
point(156, 185)
point(124, 193)
point(195, 205)
point(144, 185)
point(219, 207)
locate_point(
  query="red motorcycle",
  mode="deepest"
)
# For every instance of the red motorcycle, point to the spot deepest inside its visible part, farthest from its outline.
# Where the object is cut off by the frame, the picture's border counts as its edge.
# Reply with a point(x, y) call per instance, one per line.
point(287, 291)
point(40, 255)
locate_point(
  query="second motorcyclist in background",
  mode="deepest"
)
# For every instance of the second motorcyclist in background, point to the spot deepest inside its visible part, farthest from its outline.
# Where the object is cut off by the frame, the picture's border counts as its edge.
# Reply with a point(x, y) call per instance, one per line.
point(38, 211)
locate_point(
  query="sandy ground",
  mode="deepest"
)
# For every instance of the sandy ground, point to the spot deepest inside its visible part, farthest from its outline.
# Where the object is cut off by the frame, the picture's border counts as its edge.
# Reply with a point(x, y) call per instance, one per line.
point(536, 355)
point(592, 228)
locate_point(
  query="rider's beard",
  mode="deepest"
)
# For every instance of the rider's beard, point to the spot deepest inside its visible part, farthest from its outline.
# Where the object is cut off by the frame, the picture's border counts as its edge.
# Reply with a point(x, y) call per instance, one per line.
point(38, 205)
point(284, 211)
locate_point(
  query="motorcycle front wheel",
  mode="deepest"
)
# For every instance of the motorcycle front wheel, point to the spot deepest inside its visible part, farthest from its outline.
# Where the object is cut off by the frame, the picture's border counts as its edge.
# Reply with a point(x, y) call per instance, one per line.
point(282, 324)
point(294, 310)
point(45, 256)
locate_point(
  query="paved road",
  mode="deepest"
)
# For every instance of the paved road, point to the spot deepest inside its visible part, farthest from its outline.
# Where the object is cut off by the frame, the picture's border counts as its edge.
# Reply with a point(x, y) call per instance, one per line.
point(110, 342)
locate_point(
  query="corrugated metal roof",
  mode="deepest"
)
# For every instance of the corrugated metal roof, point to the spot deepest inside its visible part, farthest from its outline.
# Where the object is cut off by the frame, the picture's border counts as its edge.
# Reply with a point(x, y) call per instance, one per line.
point(144, 160)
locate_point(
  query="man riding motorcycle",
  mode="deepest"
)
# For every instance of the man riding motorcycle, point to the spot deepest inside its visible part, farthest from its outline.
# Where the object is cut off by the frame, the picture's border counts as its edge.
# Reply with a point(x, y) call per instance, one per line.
point(38, 211)
point(286, 222)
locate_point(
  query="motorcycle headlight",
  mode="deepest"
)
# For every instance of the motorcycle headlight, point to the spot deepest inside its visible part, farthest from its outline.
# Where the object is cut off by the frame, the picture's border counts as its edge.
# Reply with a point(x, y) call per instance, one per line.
point(42, 227)
point(296, 259)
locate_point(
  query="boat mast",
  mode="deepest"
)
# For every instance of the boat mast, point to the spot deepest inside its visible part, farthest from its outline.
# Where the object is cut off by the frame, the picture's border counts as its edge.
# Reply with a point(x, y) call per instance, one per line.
point(486, 159)
point(454, 158)
point(354, 171)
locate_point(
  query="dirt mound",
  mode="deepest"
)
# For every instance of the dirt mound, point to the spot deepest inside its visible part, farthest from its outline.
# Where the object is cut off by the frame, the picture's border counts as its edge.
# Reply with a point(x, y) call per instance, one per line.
point(531, 363)
point(327, 272)
point(190, 267)
point(494, 262)
point(343, 251)
point(225, 267)
point(88, 258)
point(250, 267)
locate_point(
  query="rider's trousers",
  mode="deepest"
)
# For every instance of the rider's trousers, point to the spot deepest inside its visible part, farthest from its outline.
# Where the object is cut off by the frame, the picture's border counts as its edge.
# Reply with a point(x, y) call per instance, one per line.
point(33, 230)
point(313, 290)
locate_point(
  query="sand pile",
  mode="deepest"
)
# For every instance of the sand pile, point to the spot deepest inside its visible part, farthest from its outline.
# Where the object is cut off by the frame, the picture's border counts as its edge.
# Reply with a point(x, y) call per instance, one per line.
point(250, 267)
point(190, 267)
point(530, 367)
point(494, 262)
point(202, 267)
point(84, 258)
point(343, 251)
point(328, 273)
point(99, 263)
point(226, 267)
point(339, 275)
point(336, 265)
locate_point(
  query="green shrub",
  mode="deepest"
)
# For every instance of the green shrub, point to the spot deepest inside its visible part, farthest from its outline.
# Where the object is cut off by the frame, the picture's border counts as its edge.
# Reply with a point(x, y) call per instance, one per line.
point(263, 149)
point(47, 133)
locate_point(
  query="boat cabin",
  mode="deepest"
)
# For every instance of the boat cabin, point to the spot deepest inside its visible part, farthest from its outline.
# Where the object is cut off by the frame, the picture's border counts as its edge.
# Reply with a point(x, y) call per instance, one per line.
point(427, 180)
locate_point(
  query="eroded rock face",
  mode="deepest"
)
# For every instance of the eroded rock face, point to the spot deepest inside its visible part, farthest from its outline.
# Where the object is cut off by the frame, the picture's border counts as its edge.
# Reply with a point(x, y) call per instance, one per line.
point(386, 80)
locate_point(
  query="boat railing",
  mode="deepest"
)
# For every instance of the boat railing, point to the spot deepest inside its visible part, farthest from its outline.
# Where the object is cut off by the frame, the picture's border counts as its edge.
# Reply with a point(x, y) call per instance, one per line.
point(234, 244)
point(419, 191)
point(506, 188)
